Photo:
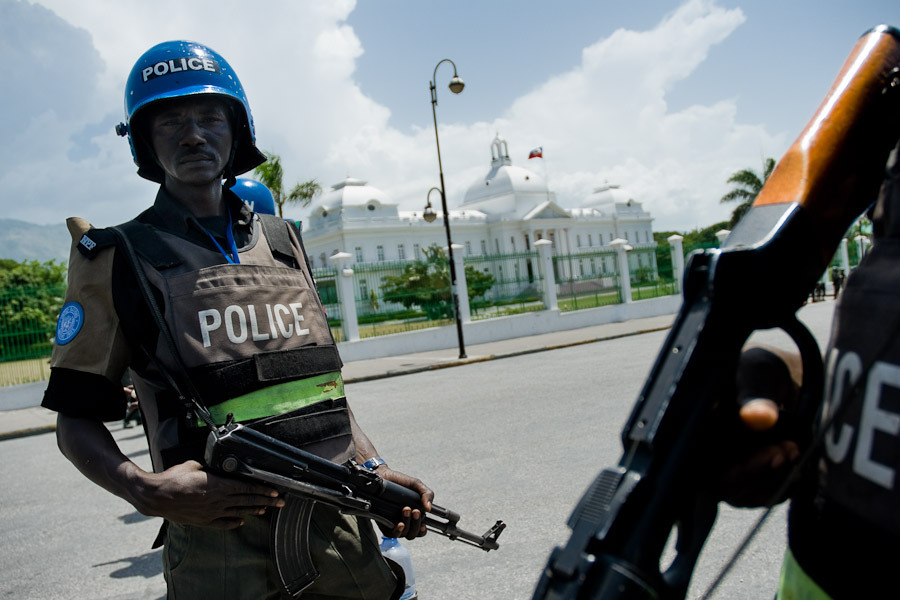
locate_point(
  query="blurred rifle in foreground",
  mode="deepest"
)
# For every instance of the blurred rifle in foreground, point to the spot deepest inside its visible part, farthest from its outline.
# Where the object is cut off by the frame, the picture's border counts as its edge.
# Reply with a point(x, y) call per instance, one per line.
point(678, 433)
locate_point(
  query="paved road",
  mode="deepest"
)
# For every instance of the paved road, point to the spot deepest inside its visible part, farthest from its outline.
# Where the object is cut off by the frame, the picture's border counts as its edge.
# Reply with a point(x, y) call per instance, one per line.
point(517, 439)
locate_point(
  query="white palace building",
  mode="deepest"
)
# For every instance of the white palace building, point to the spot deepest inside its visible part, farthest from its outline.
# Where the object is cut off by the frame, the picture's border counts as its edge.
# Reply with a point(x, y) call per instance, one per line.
point(504, 212)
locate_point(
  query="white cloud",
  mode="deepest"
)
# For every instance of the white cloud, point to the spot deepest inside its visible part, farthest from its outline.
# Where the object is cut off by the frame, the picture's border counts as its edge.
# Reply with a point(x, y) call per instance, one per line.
point(604, 119)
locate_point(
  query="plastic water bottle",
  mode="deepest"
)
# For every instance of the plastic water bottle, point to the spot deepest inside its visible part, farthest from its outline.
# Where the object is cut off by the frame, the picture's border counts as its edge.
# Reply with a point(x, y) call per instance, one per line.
point(397, 552)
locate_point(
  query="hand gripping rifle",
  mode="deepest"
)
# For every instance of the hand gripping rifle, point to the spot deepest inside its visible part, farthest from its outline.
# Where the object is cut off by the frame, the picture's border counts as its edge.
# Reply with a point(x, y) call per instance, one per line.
point(306, 479)
point(678, 431)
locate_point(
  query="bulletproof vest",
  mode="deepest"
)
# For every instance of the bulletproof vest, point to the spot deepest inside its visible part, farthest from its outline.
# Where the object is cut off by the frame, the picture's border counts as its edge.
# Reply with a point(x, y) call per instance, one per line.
point(861, 454)
point(253, 338)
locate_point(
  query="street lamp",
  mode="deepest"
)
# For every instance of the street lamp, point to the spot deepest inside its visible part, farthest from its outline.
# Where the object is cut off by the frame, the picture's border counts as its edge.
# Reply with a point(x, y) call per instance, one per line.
point(428, 214)
point(456, 86)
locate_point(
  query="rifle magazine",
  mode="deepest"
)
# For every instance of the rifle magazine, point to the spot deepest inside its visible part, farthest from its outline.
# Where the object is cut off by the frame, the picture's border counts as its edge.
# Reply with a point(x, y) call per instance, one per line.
point(290, 546)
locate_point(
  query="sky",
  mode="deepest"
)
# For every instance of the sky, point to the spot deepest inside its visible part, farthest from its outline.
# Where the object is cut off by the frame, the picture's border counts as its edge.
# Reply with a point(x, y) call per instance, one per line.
point(665, 98)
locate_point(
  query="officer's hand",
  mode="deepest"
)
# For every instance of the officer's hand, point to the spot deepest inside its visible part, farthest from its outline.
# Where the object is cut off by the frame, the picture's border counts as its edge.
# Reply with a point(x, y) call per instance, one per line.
point(413, 523)
point(189, 495)
point(766, 387)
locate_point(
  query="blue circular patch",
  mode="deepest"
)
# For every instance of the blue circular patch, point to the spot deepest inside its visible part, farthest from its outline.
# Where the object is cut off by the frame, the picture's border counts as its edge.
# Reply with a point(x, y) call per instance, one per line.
point(71, 318)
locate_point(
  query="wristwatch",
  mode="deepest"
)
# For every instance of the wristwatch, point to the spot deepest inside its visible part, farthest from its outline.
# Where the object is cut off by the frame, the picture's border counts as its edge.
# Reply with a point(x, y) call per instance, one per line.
point(374, 463)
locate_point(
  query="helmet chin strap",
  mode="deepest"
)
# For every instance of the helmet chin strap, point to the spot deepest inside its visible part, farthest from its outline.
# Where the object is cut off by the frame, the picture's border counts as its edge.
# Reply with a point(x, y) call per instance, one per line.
point(228, 173)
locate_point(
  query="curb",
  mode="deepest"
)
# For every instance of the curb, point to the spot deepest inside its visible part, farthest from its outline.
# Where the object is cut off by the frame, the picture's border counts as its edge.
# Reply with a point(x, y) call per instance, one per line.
point(21, 433)
point(468, 361)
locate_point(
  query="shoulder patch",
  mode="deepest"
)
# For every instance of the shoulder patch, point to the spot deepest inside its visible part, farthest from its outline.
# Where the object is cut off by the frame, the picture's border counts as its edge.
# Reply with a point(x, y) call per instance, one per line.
point(71, 318)
point(95, 240)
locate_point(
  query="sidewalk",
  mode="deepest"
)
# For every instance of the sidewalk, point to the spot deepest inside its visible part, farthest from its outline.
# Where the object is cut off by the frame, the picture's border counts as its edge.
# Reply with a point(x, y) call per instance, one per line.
point(33, 419)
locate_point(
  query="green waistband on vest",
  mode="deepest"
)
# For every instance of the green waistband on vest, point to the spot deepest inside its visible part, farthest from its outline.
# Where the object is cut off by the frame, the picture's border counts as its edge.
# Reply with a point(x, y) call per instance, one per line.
point(795, 584)
point(280, 398)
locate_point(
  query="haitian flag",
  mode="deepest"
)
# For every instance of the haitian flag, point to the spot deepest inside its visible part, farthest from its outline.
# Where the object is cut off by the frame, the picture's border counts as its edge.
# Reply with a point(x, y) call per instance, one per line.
point(537, 152)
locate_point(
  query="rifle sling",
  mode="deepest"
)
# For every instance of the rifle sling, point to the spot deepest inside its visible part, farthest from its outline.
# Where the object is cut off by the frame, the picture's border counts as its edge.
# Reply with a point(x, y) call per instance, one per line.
point(193, 401)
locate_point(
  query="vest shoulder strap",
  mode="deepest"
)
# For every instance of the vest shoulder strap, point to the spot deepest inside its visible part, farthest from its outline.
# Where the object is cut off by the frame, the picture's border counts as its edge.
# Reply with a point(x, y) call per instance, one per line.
point(277, 235)
point(148, 244)
point(142, 236)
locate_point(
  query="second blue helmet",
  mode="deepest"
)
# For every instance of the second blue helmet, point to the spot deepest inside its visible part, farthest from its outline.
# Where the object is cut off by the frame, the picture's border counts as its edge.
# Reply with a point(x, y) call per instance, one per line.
point(256, 195)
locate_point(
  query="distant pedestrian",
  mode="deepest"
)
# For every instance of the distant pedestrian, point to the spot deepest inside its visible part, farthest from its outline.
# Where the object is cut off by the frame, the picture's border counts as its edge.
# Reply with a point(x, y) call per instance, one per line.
point(133, 412)
point(837, 279)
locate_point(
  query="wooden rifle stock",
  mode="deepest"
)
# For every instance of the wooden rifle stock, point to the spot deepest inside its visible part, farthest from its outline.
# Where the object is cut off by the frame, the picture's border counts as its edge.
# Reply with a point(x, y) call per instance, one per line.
point(835, 167)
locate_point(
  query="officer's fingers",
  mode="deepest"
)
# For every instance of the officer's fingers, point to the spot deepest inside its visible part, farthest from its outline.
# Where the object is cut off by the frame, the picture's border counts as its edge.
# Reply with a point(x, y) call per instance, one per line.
point(414, 521)
point(234, 487)
point(254, 500)
point(404, 526)
point(759, 414)
point(775, 456)
point(396, 532)
point(427, 497)
point(760, 464)
point(414, 483)
point(417, 525)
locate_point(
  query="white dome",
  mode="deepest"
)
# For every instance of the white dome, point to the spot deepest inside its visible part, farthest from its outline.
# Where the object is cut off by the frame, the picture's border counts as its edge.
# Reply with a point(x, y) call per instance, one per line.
point(606, 195)
point(351, 192)
point(504, 178)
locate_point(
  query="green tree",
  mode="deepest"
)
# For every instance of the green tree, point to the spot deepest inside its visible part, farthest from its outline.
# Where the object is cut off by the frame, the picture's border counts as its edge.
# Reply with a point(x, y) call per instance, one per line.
point(271, 174)
point(426, 284)
point(748, 184)
point(704, 237)
point(31, 295)
point(692, 240)
point(862, 226)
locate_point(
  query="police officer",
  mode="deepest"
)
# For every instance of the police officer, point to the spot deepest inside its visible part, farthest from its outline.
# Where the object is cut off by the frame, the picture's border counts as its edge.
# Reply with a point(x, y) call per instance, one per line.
point(238, 317)
point(844, 518)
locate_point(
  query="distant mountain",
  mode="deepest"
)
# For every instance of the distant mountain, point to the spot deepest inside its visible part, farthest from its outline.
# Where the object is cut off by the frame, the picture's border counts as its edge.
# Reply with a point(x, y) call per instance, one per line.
point(20, 241)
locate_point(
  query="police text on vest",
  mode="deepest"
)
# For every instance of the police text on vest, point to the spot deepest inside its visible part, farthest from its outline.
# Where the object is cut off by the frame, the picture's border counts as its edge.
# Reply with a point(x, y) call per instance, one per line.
point(845, 370)
point(242, 322)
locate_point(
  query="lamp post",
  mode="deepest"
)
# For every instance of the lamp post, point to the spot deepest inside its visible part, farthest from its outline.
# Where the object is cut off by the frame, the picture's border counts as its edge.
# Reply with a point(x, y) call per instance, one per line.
point(456, 86)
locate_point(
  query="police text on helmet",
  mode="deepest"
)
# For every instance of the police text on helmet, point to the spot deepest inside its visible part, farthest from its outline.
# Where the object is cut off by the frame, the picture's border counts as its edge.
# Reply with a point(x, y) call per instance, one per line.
point(177, 65)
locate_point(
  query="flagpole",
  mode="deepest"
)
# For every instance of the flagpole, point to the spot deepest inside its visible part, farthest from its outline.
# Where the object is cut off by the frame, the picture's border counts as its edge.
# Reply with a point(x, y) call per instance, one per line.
point(546, 173)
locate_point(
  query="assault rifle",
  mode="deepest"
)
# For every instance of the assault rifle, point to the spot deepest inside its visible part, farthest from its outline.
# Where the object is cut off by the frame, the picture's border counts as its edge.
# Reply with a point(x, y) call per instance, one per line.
point(306, 479)
point(684, 420)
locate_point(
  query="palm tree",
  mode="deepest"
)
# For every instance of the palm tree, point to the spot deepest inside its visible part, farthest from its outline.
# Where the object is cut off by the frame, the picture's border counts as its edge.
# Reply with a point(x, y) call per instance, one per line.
point(748, 185)
point(271, 175)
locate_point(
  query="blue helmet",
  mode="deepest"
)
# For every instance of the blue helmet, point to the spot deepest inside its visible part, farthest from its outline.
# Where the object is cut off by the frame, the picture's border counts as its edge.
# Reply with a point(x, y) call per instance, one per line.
point(256, 195)
point(174, 70)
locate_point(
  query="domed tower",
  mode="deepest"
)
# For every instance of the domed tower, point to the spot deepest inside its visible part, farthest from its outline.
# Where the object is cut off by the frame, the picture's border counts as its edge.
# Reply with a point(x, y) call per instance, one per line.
point(351, 199)
point(339, 217)
point(506, 189)
point(604, 198)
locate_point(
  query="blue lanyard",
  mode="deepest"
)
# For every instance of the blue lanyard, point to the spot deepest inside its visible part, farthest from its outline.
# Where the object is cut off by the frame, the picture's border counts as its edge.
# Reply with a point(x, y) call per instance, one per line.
point(233, 258)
